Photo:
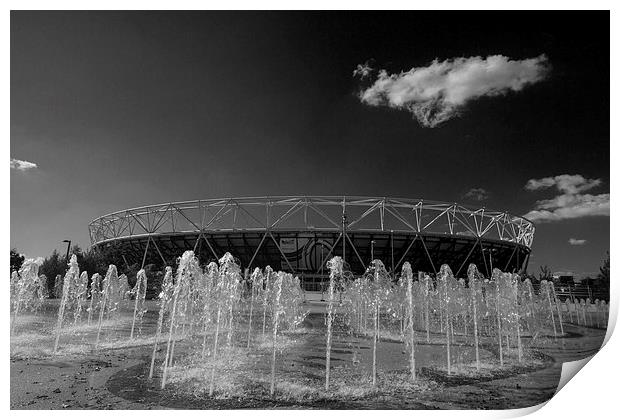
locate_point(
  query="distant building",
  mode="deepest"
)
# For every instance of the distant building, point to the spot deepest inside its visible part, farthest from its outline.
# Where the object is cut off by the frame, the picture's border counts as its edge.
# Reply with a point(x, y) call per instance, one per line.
point(564, 277)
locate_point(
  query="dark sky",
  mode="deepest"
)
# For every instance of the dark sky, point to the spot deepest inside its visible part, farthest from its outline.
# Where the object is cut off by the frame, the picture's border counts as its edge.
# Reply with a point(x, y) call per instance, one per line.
point(126, 109)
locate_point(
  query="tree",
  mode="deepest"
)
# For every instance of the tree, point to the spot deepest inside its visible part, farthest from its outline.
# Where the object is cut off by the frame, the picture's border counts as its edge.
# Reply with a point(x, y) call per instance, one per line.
point(17, 260)
point(545, 273)
point(524, 274)
point(604, 270)
point(588, 281)
point(76, 250)
point(603, 276)
point(93, 260)
point(52, 266)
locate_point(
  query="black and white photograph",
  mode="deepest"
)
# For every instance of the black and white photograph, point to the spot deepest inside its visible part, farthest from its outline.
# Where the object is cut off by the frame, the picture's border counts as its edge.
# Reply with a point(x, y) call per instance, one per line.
point(306, 209)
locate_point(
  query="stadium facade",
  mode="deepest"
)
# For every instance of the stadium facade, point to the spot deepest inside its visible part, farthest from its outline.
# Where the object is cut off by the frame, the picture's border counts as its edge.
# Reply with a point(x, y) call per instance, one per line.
point(299, 234)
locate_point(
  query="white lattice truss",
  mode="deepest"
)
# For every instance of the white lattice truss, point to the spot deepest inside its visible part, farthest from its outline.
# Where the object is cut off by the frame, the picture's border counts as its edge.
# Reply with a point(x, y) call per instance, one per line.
point(312, 214)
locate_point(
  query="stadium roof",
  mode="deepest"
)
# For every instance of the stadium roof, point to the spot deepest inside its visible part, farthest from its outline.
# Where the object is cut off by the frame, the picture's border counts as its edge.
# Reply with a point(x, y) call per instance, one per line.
point(287, 232)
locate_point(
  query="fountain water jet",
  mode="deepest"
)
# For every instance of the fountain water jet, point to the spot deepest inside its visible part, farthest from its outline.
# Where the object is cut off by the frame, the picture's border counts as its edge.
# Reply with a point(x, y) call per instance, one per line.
point(408, 274)
point(276, 314)
point(188, 268)
point(255, 281)
point(139, 291)
point(28, 289)
point(474, 284)
point(335, 269)
point(266, 290)
point(79, 296)
point(164, 301)
point(69, 284)
point(444, 276)
point(108, 297)
point(95, 295)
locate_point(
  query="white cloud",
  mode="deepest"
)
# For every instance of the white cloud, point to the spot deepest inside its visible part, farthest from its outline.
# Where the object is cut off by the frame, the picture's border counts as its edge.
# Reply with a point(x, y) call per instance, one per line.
point(362, 70)
point(478, 194)
point(571, 204)
point(570, 184)
point(22, 165)
point(439, 91)
point(577, 242)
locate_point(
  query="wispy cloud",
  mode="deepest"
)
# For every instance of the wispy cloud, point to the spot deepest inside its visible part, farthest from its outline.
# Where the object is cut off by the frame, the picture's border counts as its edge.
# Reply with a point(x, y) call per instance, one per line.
point(363, 70)
point(22, 165)
point(571, 203)
point(570, 184)
point(577, 242)
point(478, 194)
point(438, 92)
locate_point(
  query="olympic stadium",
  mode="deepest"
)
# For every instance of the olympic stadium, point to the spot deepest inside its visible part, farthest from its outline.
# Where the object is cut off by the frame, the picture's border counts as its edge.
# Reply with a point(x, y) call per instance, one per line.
point(300, 234)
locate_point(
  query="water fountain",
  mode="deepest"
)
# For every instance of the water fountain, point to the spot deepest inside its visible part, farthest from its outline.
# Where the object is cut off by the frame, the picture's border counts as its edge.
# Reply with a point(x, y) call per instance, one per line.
point(266, 290)
point(255, 286)
point(79, 295)
point(188, 268)
point(227, 287)
point(475, 288)
point(335, 267)
point(28, 290)
point(165, 298)
point(139, 293)
point(109, 298)
point(211, 280)
point(408, 275)
point(95, 295)
point(276, 311)
point(58, 286)
point(71, 283)
point(380, 290)
point(123, 287)
point(217, 306)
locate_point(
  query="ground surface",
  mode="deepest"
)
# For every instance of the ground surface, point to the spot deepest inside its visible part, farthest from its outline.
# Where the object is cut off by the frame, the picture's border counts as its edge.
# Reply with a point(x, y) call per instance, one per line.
point(114, 376)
